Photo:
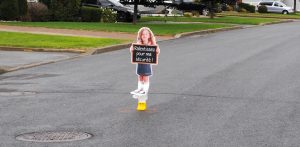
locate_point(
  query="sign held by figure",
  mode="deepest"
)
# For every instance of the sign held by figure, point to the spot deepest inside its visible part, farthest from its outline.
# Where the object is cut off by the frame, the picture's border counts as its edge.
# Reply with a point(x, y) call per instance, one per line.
point(144, 54)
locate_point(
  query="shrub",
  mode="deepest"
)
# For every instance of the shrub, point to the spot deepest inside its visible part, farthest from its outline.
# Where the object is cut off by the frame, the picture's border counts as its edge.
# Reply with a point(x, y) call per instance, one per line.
point(90, 14)
point(251, 9)
point(248, 7)
point(25, 18)
point(242, 10)
point(218, 8)
point(187, 14)
point(9, 10)
point(38, 12)
point(108, 15)
point(224, 7)
point(262, 9)
point(195, 13)
point(229, 8)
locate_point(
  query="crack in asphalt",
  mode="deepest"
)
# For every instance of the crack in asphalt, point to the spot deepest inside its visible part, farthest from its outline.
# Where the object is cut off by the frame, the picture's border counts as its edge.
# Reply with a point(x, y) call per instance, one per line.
point(183, 95)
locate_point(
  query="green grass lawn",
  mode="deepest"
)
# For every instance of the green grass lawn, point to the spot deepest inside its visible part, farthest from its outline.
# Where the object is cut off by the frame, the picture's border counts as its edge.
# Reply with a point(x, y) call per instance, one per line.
point(225, 19)
point(11, 39)
point(158, 29)
point(261, 15)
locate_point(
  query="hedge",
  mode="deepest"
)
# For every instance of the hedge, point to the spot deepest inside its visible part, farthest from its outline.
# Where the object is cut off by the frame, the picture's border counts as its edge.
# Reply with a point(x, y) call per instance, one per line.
point(248, 7)
point(90, 14)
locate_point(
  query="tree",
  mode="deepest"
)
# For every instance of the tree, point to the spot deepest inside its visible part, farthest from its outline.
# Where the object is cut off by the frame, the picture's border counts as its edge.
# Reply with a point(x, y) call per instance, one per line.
point(46, 2)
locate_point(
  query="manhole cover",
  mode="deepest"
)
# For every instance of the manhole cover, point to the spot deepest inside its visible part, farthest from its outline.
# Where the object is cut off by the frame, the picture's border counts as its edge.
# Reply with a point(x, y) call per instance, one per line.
point(60, 136)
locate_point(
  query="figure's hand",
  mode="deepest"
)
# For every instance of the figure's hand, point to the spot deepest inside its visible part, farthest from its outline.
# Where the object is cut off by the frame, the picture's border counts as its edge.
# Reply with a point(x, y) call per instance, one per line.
point(139, 43)
point(157, 50)
point(131, 48)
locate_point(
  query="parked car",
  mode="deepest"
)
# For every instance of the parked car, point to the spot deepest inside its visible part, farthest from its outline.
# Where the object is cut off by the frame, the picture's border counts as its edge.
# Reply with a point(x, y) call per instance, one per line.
point(190, 6)
point(124, 13)
point(276, 7)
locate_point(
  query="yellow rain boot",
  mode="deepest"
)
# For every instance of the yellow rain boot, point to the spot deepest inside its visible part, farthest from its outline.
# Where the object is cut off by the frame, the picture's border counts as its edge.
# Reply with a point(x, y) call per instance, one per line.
point(142, 106)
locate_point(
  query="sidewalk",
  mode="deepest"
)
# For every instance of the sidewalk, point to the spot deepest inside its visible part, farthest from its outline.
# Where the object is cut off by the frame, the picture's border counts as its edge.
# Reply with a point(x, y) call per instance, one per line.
point(68, 32)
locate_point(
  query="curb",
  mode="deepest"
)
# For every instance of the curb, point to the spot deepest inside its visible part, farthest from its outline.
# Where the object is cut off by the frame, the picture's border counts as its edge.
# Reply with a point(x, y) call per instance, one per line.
point(207, 31)
point(108, 49)
point(10, 69)
point(277, 22)
point(4, 48)
point(122, 46)
point(92, 52)
point(222, 15)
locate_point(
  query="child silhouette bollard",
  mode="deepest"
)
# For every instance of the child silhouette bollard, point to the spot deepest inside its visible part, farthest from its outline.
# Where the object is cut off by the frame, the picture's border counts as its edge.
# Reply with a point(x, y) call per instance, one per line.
point(144, 53)
point(142, 105)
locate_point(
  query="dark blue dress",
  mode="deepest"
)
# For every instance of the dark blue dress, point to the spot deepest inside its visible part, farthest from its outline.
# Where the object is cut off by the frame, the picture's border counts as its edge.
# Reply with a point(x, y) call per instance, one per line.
point(144, 69)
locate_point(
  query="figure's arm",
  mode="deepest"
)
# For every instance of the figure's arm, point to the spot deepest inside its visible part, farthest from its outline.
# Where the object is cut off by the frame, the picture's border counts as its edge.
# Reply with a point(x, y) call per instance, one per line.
point(131, 48)
point(157, 50)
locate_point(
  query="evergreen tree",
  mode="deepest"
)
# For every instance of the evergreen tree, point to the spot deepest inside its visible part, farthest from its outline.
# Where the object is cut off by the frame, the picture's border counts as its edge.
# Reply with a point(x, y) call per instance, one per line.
point(9, 10)
point(46, 2)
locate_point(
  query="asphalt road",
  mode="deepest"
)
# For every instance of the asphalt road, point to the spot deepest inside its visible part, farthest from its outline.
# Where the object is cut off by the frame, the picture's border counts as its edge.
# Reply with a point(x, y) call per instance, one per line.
point(231, 89)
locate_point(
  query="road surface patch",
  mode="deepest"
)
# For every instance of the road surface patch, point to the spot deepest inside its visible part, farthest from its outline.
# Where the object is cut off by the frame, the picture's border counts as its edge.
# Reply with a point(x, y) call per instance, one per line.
point(54, 136)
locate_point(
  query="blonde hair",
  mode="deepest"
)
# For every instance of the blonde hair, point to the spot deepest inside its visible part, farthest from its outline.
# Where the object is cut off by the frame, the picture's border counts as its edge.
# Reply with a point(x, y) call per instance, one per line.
point(151, 39)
